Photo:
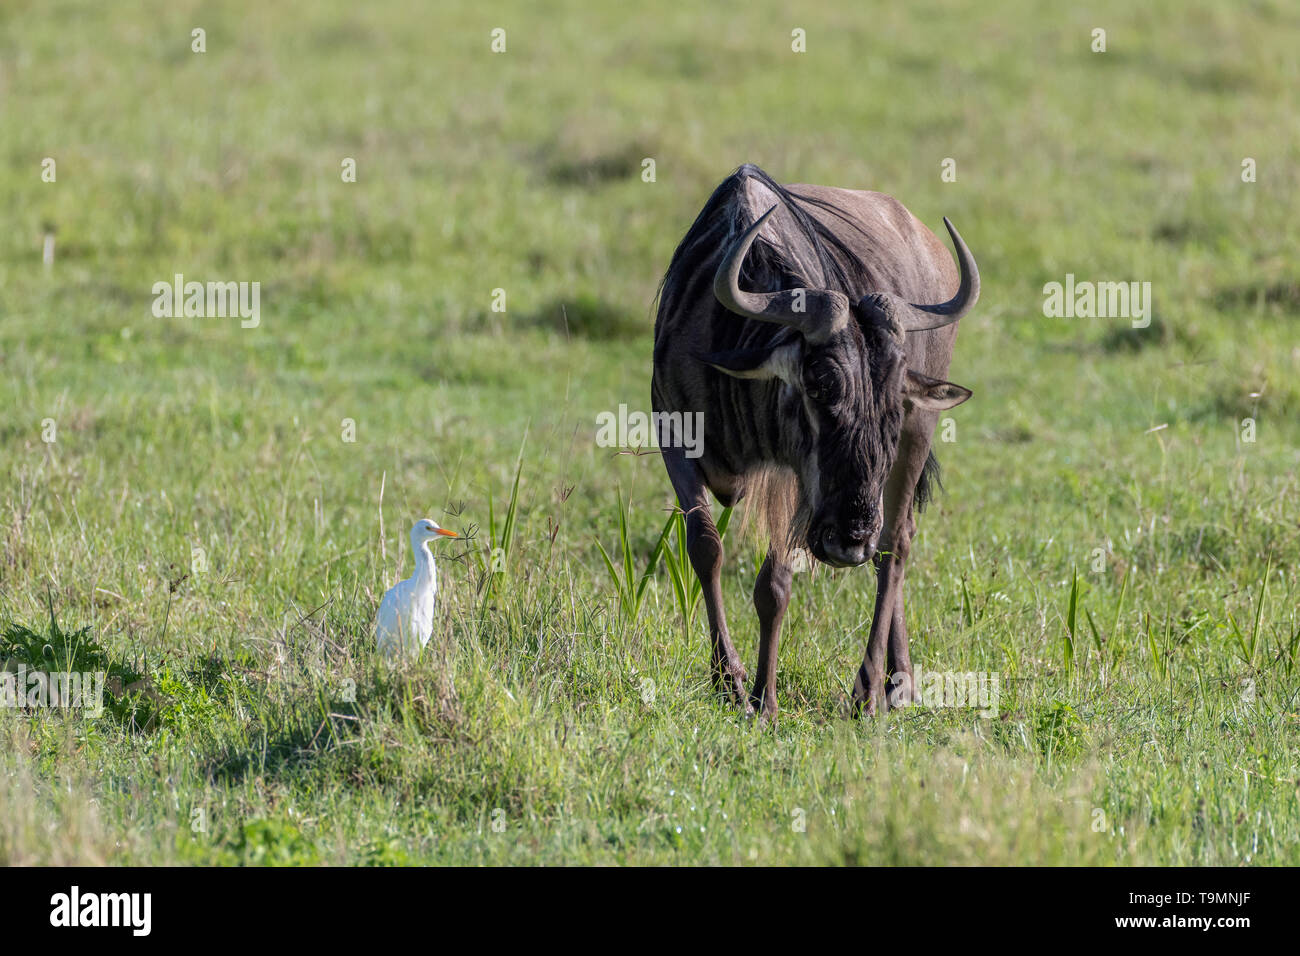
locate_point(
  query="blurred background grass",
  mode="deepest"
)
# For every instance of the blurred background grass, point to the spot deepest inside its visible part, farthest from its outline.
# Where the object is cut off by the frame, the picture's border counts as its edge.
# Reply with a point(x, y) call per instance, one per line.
point(521, 171)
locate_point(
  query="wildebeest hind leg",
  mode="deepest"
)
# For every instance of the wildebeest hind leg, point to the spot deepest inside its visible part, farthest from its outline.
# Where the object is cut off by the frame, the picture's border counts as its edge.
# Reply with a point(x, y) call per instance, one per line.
point(704, 545)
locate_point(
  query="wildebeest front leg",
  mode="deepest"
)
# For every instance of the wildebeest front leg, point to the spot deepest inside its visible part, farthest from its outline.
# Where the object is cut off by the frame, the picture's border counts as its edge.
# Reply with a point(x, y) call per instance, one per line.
point(771, 596)
point(902, 688)
point(704, 545)
point(870, 688)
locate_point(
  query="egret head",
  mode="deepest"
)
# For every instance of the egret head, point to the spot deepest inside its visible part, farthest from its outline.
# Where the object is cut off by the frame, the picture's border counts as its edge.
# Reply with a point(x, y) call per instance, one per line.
point(426, 530)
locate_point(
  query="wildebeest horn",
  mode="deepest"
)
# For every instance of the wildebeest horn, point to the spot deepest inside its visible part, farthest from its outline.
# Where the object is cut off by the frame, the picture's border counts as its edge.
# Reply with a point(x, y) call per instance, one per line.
point(815, 313)
point(909, 317)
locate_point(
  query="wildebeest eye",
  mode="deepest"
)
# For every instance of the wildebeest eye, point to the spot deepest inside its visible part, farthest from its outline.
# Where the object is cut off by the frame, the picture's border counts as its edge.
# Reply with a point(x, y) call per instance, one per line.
point(821, 383)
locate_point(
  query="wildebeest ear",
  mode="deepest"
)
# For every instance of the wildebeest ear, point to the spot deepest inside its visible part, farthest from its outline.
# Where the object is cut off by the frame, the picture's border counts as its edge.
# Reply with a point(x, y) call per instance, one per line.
point(932, 393)
point(781, 362)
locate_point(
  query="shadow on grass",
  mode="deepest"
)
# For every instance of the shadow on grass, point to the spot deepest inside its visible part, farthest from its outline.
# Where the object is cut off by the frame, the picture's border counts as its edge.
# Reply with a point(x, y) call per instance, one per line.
point(588, 317)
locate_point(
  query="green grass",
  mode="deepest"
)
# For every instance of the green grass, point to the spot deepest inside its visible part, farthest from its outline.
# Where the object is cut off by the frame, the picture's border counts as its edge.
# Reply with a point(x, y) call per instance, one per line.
point(200, 520)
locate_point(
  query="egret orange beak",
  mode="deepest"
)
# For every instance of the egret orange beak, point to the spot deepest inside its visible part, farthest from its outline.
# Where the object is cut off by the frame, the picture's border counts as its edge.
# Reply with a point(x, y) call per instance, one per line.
point(450, 534)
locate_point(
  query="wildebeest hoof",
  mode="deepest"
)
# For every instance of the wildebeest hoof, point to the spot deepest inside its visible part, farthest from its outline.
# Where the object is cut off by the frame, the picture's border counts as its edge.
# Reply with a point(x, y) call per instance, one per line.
point(731, 683)
point(764, 706)
point(902, 692)
point(867, 708)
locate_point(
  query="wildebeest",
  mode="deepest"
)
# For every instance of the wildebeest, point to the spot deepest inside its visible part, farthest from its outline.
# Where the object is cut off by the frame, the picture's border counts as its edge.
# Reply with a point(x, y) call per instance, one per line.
point(813, 327)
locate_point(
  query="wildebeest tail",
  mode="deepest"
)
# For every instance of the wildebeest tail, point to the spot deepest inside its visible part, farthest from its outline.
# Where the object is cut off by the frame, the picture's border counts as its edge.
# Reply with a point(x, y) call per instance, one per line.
point(930, 482)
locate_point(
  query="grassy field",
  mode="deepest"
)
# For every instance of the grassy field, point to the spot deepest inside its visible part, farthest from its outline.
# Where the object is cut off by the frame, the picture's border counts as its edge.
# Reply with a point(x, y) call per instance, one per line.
point(1116, 541)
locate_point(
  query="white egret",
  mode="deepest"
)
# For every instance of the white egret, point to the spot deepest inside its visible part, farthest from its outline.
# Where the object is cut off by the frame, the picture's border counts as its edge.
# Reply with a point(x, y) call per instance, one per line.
point(406, 612)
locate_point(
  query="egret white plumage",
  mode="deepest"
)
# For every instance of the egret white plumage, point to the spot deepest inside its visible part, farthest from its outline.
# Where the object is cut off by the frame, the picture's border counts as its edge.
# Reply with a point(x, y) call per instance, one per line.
point(406, 612)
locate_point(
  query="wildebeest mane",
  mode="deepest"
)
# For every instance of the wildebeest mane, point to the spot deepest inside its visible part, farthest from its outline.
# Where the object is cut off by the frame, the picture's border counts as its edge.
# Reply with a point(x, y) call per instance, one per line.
point(768, 268)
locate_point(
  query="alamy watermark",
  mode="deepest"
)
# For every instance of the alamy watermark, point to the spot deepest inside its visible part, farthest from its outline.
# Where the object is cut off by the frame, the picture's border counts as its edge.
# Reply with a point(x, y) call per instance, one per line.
point(133, 911)
point(212, 300)
point(24, 689)
point(1098, 300)
point(929, 688)
point(641, 430)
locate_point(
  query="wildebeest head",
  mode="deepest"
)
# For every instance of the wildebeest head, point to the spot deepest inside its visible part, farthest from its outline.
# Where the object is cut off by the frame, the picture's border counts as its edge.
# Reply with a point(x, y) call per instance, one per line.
point(846, 387)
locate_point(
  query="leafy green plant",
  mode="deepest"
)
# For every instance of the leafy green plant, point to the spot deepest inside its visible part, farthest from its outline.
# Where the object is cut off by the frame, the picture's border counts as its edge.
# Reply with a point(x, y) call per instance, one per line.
point(1287, 653)
point(686, 586)
point(1116, 647)
point(1248, 647)
point(967, 607)
point(57, 650)
point(493, 564)
point(1160, 654)
point(630, 589)
point(387, 851)
point(1071, 615)
point(270, 841)
point(188, 707)
point(1059, 730)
